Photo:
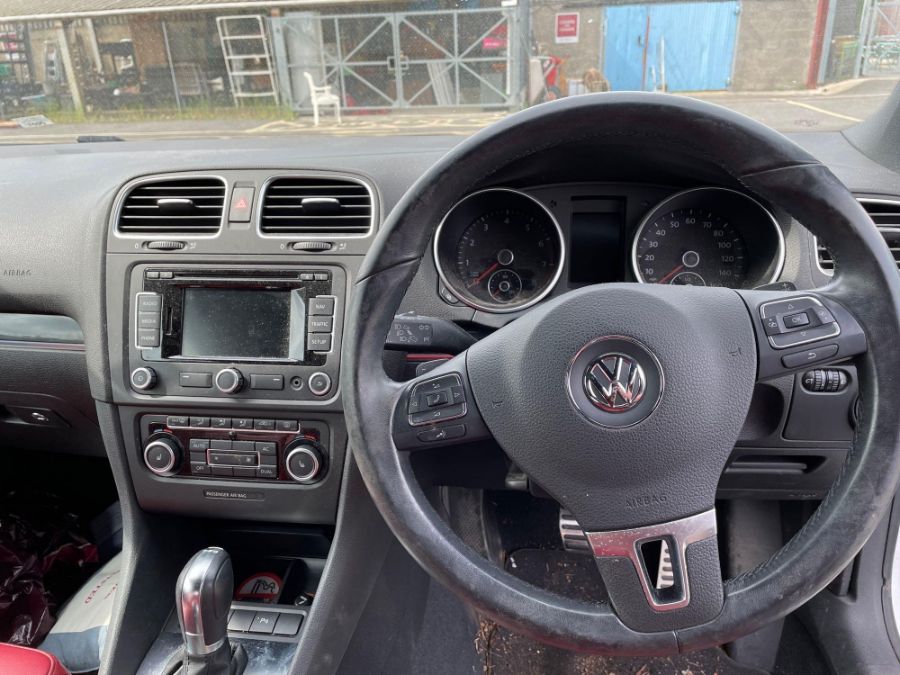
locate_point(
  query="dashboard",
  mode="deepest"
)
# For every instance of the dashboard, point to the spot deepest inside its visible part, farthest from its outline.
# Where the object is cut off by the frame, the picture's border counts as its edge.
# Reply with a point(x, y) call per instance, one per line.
point(502, 250)
point(170, 352)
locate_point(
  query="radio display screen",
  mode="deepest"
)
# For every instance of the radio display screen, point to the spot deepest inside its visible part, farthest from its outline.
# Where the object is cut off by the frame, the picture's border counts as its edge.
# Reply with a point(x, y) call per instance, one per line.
point(236, 323)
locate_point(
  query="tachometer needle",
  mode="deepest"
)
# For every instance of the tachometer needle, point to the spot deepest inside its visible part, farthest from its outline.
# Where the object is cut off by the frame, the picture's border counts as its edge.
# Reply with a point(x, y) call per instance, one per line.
point(481, 276)
point(671, 274)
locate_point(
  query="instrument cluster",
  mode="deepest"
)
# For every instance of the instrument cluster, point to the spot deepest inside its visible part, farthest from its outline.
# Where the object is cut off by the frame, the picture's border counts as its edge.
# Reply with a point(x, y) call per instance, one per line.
point(502, 250)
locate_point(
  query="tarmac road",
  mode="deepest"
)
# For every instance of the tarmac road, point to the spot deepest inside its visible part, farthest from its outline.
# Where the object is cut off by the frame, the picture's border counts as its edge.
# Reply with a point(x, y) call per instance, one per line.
point(829, 109)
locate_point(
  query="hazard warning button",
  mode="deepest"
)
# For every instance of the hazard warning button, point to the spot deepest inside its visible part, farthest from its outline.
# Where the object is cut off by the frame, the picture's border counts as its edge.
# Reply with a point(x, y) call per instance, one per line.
point(241, 204)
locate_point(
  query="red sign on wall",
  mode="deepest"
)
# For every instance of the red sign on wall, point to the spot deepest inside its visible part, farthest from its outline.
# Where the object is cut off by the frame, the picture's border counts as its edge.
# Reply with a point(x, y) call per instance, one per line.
point(567, 27)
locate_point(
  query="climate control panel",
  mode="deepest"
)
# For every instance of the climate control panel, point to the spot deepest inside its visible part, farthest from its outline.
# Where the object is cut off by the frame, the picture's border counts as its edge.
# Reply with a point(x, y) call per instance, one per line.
point(242, 448)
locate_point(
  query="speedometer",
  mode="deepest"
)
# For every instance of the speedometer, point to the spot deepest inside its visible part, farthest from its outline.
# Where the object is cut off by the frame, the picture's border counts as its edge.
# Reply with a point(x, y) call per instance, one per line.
point(499, 250)
point(693, 247)
point(708, 237)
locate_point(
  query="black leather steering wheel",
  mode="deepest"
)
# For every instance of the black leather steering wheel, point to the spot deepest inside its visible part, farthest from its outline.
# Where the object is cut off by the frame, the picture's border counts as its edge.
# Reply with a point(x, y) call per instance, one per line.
point(652, 472)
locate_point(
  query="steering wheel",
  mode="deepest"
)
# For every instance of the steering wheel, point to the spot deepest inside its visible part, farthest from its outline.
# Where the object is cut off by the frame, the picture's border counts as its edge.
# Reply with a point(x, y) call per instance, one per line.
point(624, 401)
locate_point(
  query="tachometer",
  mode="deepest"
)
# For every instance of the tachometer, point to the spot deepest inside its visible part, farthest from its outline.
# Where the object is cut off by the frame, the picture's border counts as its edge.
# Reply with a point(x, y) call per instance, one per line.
point(708, 237)
point(499, 250)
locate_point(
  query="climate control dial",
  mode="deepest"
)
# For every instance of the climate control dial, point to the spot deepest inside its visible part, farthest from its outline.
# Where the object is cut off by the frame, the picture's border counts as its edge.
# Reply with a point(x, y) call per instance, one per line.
point(304, 461)
point(162, 455)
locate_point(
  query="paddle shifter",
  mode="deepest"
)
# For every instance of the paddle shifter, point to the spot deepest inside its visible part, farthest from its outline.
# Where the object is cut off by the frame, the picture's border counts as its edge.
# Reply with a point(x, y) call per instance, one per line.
point(202, 599)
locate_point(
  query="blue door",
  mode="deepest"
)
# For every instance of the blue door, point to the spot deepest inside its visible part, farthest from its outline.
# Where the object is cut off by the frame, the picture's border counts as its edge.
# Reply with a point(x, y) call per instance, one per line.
point(684, 46)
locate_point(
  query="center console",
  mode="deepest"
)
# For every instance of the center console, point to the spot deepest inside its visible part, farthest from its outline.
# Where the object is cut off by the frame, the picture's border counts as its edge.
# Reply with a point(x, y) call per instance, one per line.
point(225, 339)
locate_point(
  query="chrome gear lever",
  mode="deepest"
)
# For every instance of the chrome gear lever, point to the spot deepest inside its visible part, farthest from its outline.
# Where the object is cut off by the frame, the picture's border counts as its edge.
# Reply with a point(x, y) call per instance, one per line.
point(203, 598)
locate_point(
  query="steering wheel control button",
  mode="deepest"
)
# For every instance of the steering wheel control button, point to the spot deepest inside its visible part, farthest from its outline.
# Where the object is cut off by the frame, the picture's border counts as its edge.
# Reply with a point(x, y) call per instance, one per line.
point(303, 462)
point(229, 381)
point(615, 381)
point(797, 321)
point(438, 400)
point(442, 433)
point(809, 356)
point(162, 456)
point(143, 378)
point(804, 336)
point(319, 384)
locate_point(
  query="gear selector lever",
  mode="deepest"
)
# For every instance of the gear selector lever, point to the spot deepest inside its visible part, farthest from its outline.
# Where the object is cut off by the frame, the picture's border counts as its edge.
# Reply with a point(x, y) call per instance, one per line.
point(202, 600)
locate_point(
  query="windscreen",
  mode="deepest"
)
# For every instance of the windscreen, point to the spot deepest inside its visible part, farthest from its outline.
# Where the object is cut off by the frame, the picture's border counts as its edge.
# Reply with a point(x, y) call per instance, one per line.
point(95, 71)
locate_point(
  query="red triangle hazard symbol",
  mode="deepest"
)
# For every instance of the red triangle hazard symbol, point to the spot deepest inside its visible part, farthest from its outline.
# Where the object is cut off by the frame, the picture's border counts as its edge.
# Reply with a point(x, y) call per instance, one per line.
point(241, 203)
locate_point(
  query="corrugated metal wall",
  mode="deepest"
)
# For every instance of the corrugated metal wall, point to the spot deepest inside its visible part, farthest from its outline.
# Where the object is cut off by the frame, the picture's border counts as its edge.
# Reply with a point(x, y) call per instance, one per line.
point(685, 46)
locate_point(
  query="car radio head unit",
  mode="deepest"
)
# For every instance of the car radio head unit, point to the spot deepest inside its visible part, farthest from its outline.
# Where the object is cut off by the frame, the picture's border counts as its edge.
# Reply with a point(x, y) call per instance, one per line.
point(213, 317)
point(230, 315)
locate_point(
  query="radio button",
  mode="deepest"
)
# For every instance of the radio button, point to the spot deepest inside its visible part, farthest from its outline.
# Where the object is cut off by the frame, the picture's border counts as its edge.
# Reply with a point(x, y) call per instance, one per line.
point(168, 275)
point(264, 425)
point(220, 422)
point(143, 378)
point(320, 342)
point(320, 324)
point(307, 276)
point(148, 337)
point(229, 381)
point(323, 306)
point(242, 423)
point(195, 380)
point(273, 382)
point(148, 319)
point(149, 302)
point(321, 276)
point(319, 384)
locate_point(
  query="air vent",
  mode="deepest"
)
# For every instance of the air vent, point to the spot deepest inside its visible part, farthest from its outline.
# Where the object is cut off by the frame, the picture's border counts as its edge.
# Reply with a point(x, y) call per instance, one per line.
point(885, 213)
point(316, 207)
point(176, 206)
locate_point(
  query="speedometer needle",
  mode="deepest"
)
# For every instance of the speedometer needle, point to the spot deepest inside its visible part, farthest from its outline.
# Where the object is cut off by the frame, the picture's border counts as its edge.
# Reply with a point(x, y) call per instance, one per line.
point(671, 274)
point(481, 276)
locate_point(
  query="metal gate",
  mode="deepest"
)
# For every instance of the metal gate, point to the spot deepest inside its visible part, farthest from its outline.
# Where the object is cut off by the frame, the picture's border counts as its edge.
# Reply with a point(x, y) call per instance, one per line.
point(403, 60)
point(880, 48)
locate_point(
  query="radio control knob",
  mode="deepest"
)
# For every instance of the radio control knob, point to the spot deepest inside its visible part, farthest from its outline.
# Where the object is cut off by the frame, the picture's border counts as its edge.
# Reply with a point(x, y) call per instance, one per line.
point(143, 378)
point(162, 455)
point(304, 461)
point(229, 381)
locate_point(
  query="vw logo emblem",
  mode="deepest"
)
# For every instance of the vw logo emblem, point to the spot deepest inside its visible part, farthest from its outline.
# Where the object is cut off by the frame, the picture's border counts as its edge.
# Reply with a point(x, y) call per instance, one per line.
point(614, 382)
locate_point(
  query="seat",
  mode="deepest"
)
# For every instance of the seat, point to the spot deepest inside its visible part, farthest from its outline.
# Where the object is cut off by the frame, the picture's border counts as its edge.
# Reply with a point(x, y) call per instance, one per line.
point(322, 96)
point(17, 660)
